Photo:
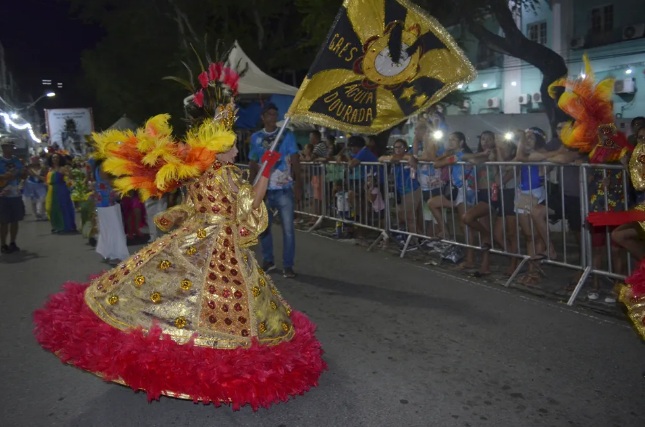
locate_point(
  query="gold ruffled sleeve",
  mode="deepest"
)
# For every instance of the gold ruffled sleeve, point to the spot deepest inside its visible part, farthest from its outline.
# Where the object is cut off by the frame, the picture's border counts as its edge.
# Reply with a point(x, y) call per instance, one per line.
point(174, 217)
point(637, 167)
point(251, 221)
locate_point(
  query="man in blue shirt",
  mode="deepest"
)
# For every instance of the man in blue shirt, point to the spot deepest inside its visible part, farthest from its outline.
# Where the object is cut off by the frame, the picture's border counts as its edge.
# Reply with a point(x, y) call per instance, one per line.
point(285, 187)
point(12, 210)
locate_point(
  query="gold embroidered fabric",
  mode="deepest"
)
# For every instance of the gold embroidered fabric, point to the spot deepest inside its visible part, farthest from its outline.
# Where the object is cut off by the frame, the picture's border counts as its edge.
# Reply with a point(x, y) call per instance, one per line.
point(635, 308)
point(637, 167)
point(202, 279)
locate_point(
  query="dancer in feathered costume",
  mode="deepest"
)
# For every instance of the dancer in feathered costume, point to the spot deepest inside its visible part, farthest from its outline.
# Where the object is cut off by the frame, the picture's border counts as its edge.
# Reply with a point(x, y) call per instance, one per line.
point(593, 131)
point(191, 315)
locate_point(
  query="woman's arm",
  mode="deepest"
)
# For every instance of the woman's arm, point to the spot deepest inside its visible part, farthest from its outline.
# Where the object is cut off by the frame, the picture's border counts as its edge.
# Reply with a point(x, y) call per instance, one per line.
point(260, 190)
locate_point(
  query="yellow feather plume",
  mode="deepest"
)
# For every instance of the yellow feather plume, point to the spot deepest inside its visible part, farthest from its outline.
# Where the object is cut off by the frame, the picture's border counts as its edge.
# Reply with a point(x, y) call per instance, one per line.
point(106, 141)
point(212, 135)
point(158, 126)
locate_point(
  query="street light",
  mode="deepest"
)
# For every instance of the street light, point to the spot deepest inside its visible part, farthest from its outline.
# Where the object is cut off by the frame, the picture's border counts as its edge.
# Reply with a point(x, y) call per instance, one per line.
point(49, 94)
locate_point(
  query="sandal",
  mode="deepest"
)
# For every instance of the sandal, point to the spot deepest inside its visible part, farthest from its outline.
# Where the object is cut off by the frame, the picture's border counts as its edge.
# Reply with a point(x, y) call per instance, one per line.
point(530, 280)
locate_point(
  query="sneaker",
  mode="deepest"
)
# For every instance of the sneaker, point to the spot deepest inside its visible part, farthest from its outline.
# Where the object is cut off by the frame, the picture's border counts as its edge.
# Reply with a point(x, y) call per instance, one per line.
point(288, 273)
point(4, 249)
point(268, 266)
point(593, 296)
point(13, 247)
point(610, 299)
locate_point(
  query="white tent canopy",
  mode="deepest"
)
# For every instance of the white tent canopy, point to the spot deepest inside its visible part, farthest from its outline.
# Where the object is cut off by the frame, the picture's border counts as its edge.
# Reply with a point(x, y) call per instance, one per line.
point(124, 123)
point(255, 81)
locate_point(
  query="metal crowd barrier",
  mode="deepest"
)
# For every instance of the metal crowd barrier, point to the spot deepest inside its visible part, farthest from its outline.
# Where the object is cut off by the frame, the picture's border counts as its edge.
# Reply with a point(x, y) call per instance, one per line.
point(389, 198)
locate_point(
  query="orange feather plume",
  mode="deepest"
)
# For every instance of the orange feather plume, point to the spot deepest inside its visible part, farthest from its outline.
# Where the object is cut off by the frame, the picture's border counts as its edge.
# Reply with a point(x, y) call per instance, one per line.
point(152, 162)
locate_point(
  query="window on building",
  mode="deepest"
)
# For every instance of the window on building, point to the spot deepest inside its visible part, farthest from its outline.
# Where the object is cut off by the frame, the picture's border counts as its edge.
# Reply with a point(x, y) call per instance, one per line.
point(537, 32)
point(602, 19)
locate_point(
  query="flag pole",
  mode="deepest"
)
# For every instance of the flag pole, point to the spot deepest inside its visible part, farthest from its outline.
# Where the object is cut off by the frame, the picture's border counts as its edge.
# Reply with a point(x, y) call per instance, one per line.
point(273, 145)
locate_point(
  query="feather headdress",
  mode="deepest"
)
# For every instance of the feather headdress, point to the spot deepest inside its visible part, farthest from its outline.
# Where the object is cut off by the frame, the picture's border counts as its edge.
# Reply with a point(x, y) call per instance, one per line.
point(152, 162)
point(591, 106)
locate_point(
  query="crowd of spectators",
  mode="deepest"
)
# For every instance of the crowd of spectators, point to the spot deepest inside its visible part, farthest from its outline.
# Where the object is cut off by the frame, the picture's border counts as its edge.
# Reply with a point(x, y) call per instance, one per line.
point(506, 195)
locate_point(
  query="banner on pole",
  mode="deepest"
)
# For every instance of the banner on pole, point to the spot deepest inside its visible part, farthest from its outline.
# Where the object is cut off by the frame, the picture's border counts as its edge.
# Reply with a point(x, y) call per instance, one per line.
point(383, 61)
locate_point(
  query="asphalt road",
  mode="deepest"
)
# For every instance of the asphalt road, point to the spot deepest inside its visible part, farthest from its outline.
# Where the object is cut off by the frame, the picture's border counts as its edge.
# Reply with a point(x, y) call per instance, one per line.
point(406, 346)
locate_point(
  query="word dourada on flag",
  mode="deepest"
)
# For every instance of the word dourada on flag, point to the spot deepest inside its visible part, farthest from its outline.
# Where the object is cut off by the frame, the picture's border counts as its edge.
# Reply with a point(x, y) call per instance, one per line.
point(383, 61)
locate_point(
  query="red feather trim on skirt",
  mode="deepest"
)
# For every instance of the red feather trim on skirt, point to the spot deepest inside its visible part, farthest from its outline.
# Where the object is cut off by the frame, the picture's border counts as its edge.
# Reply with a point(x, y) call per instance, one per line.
point(151, 361)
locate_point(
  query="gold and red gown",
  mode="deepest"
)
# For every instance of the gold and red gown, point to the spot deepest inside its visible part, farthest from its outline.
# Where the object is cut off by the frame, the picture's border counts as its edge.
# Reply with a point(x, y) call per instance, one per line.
point(191, 315)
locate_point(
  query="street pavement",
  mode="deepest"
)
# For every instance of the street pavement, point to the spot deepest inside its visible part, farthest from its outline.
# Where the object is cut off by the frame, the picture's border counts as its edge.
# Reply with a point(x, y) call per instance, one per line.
point(406, 345)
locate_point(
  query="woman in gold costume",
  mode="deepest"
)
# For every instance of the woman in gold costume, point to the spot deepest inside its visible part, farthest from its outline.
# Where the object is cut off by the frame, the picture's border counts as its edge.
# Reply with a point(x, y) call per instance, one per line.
point(191, 315)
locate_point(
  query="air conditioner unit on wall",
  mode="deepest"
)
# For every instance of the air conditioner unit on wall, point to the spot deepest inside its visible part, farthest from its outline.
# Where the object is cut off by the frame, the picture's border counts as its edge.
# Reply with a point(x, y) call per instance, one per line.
point(524, 99)
point(537, 97)
point(635, 31)
point(624, 86)
point(577, 43)
point(493, 102)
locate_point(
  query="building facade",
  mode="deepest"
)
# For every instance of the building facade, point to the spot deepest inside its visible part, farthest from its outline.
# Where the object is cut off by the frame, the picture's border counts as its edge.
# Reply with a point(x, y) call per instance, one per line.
point(611, 32)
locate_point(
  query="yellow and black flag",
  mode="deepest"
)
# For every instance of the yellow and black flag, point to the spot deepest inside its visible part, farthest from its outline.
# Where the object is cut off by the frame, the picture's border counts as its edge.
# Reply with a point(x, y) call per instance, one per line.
point(383, 61)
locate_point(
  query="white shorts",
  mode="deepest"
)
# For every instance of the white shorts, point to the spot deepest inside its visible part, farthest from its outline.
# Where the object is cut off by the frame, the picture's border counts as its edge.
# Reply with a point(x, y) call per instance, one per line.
point(525, 200)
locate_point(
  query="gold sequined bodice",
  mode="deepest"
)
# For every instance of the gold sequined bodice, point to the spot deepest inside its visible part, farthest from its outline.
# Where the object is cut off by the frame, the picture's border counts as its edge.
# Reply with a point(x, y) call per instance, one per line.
point(201, 280)
point(209, 193)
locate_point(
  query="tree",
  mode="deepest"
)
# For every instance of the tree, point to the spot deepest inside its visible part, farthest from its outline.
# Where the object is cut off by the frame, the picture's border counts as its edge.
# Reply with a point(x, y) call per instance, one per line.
point(145, 41)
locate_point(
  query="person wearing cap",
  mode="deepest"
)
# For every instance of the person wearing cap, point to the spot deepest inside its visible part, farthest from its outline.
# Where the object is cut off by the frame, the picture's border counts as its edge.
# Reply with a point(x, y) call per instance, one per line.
point(285, 187)
point(12, 209)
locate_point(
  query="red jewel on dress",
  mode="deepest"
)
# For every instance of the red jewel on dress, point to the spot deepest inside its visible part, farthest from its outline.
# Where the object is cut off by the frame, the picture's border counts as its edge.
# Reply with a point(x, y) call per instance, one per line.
point(202, 209)
point(199, 197)
point(241, 319)
point(211, 199)
point(226, 293)
point(225, 309)
point(212, 276)
point(238, 294)
point(212, 319)
point(225, 199)
point(228, 321)
point(211, 289)
point(221, 268)
point(245, 333)
point(227, 243)
point(234, 272)
point(225, 279)
point(211, 304)
point(237, 307)
point(222, 256)
point(244, 232)
point(215, 209)
point(233, 261)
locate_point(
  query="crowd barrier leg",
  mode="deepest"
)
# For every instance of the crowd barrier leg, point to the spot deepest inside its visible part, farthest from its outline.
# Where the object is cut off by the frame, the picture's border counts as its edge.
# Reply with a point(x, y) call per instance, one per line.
point(517, 271)
point(583, 278)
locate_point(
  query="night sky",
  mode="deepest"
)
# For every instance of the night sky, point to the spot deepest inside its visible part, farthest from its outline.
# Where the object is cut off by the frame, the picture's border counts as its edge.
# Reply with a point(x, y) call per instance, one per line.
point(43, 41)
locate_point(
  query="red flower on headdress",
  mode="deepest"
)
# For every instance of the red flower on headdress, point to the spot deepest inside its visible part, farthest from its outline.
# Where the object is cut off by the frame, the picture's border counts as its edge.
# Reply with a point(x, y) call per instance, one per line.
point(215, 70)
point(230, 78)
point(198, 98)
point(203, 79)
